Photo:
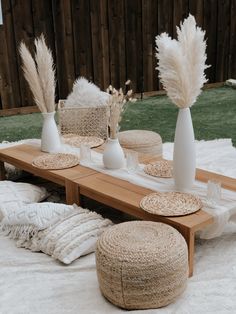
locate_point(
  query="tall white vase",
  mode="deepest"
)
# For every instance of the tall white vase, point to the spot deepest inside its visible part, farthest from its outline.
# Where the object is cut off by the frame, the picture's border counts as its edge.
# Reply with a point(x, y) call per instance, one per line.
point(113, 155)
point(184, 159)
point(50, 139)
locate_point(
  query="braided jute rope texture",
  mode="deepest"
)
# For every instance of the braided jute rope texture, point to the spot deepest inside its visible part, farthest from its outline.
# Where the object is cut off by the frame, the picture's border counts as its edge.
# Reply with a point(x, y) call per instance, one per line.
point(171, 203)
point(141, 264)
point(55, 161)
point(142, 141)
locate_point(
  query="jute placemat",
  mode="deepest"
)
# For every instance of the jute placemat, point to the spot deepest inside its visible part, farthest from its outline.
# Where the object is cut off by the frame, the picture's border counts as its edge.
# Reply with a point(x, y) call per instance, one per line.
point(160, 168)
point(171, 203)
point(77, 140)
point(55, 161)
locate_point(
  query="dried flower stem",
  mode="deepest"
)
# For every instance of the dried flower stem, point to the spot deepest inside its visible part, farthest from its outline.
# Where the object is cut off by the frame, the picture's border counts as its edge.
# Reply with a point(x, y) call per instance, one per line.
point(116, 104)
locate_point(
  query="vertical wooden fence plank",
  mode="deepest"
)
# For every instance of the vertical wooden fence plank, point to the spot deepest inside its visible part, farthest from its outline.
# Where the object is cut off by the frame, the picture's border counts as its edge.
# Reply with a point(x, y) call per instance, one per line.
point(223, 33)
point(165, 21)
point(105, 43)
point(232, 52)
point(117, 49)
point(7, 96)
point(149, 32)
point(100, 50)
point(82, 38)
point(180, 12)
point(64, 46)
point(196, 8)
point(10, 86)
point(210, 26)
point(23, 30)
point(134, 46)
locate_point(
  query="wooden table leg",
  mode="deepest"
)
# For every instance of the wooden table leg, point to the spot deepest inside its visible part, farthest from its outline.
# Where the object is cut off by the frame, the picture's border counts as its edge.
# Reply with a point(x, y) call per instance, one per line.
point(189, 236)
point(2, 171)
point(72, 193)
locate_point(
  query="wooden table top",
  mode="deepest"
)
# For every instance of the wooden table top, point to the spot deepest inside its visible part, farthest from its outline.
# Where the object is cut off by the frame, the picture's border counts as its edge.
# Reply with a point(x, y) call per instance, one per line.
point(22, 156)
point(108, 190)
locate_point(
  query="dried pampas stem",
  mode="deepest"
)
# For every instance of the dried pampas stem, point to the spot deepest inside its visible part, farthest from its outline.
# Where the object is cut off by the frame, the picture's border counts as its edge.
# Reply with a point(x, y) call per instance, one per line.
point(182, 63)
point(116, 104)
point(40, 74)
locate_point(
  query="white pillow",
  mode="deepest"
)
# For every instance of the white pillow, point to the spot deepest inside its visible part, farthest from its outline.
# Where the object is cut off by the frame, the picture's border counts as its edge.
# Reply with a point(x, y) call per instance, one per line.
point(71, 237)
point(16, 194)
point(25, 221)
point(86, 94)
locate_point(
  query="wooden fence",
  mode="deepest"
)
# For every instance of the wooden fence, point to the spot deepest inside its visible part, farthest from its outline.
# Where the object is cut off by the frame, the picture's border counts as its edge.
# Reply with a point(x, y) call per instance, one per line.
point(108, 41)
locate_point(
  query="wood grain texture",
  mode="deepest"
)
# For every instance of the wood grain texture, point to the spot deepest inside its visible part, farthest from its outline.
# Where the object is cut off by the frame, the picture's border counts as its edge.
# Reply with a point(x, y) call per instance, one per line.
point(117, 43)
point(23, 30)
point(223, 40)
point(108, 41)
point(210, 25)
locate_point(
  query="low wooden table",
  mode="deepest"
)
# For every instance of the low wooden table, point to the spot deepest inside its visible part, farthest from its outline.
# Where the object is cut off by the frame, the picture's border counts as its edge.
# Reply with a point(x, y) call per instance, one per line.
point(22, 156)
point(111, 191)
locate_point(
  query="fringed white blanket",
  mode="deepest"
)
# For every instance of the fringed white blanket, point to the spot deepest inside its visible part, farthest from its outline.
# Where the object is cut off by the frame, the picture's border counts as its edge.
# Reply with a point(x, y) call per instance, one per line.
point(35, 283)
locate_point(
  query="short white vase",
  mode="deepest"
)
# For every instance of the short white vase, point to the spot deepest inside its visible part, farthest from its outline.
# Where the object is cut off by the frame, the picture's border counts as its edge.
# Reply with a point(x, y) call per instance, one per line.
point(50, 138)
point(113, 155)
point(184, 159)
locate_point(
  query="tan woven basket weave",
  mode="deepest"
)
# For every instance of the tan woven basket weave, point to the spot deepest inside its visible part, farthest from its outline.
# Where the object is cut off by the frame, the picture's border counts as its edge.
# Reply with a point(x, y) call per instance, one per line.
point(89, 121)
point(142, 141)
point(141, 264)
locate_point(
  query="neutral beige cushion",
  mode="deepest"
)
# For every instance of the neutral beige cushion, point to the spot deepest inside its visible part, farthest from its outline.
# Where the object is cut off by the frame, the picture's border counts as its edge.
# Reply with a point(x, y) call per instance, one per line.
point(142, 264)
point(142, 141)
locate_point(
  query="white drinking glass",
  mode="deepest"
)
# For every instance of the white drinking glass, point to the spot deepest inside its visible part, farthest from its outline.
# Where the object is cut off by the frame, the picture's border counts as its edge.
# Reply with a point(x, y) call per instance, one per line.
point(132, 163)
point(85, 154)
point(213, 191)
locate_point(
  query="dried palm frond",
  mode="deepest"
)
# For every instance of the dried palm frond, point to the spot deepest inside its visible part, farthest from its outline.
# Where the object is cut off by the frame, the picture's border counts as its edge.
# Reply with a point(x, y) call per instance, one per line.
point(40, 74)
point(182, 63)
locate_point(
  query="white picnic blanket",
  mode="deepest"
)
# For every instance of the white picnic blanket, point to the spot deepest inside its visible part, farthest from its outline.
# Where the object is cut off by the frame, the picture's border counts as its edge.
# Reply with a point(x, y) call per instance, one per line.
point(34, 283)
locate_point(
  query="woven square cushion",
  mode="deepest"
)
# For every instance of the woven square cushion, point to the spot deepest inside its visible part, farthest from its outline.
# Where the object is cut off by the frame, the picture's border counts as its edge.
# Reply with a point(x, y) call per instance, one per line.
point(16, 194)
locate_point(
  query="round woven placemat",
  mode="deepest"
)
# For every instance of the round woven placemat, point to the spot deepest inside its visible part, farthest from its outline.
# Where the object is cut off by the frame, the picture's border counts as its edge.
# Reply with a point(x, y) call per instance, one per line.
point(171, 203)
point(55, 161)
point(160, 168)
point(77, 140)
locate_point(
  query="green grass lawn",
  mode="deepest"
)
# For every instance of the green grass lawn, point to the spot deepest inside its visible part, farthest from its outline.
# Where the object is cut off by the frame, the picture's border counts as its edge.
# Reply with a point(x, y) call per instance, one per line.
point(214, 116)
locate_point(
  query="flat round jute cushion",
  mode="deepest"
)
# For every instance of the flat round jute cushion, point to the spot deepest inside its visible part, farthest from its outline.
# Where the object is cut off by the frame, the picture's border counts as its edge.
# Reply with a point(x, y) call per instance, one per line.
point(142, 141)
point(141, 264)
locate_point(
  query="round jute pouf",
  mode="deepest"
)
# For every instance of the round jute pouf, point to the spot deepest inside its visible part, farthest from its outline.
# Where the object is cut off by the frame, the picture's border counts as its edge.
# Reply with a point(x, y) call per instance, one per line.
point(142, 141)
point(141, 264)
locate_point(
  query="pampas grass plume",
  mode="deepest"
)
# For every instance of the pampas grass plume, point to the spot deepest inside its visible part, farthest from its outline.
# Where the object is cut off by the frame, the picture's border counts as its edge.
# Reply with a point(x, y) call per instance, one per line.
point(40, 74)
point(181, 63)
